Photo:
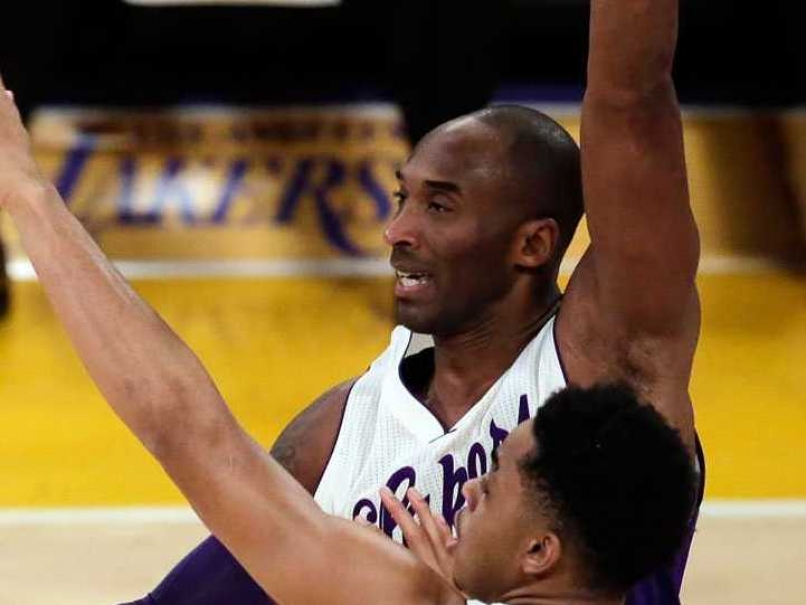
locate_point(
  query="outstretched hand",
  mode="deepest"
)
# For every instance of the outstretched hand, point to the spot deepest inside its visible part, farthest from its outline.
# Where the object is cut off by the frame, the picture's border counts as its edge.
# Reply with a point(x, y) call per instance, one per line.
point(18, 170)
point(429, 537)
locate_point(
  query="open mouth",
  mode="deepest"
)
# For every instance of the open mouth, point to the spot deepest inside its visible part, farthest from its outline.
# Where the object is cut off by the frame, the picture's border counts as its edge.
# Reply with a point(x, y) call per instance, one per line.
point(411, 280)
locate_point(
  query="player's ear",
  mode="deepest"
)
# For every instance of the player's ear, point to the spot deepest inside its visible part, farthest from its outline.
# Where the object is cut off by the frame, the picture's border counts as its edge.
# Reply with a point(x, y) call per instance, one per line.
point(542, 554)
point(535, 242)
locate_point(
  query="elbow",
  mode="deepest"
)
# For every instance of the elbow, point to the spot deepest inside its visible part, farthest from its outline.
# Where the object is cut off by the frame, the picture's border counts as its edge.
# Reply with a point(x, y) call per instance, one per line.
point(158, 423)
point(173, 421)
point(650, 93)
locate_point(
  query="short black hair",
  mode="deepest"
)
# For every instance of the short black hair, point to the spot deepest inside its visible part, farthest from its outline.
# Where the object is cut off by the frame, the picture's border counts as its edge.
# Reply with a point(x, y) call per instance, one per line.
point(543, 161)
point(615, 479)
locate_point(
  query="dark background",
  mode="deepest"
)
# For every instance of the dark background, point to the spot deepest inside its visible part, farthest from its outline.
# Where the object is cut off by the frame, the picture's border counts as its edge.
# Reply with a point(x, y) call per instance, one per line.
point(437, 58)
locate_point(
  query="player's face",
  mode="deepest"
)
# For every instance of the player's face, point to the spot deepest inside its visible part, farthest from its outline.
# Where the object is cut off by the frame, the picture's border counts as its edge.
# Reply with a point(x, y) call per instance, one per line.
point(496, 527)
point(451, 241)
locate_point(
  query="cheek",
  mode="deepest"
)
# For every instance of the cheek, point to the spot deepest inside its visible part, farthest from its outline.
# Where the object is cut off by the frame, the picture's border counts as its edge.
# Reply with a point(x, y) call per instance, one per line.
point(476, 257)
point(479, 560)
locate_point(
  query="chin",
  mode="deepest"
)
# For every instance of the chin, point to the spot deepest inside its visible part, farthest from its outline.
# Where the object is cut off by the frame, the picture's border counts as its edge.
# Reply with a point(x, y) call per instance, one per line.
point(423, 320)
point(415, 320)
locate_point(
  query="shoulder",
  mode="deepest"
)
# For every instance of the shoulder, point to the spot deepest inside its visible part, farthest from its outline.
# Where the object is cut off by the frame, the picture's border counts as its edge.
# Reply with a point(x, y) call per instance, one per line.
point(305, 445)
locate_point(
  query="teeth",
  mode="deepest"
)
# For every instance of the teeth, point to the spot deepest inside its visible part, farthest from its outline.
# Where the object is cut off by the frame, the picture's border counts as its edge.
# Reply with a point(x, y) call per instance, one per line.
point(411, 279)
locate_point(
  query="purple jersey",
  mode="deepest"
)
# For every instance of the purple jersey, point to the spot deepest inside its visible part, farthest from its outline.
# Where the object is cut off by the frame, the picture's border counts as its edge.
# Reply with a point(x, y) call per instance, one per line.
point(663, 587)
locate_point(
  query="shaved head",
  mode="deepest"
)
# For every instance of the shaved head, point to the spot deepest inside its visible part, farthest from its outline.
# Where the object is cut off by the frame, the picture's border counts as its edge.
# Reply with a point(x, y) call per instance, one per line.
point(542, 166)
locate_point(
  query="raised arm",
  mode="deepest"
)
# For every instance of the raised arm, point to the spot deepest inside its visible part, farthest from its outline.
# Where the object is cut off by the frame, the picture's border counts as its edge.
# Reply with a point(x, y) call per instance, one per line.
point(267, 519)
point(633, 296)
point(645, 241)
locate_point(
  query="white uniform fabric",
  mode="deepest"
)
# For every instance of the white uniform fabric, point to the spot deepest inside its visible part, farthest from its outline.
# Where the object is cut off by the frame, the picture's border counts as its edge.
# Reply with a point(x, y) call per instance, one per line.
point(388, 437)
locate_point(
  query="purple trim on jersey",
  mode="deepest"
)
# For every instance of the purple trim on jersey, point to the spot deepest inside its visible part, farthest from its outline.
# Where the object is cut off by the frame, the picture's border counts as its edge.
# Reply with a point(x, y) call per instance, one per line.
point(557, 345)
point(663, 587)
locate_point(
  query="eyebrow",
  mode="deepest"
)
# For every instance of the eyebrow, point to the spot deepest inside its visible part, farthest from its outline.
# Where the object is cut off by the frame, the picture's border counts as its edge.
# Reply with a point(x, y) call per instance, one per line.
point(446, 186)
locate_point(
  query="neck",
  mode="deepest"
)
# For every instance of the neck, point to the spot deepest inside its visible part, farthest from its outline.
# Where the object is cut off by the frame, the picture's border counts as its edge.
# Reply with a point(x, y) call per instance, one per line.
point(469, 361)
point(532, 596)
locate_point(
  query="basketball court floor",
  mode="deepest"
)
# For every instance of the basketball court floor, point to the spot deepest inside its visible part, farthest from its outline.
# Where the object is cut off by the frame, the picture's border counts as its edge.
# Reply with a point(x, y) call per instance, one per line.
point(87, 517)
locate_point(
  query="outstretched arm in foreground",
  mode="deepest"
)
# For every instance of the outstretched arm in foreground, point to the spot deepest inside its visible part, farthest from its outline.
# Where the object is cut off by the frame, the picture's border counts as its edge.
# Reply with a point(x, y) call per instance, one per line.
point(164, 395)
point(632, 310)
point(209, 574)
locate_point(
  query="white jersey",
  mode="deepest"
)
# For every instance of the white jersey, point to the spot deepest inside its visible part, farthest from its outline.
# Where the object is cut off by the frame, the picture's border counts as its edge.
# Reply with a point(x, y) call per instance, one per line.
point(388, 437)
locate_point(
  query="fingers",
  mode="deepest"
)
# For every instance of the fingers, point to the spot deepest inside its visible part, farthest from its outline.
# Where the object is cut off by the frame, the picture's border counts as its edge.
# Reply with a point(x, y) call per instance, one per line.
point(427, 535)
point(415, 536)
point(436, 529)
point(436, 532)
point(444, 527)
point(410, 528)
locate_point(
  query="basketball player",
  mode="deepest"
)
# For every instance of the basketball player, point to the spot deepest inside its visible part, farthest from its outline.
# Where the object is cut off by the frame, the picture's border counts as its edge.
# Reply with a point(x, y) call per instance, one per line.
point(487, 205)
point(580, 502)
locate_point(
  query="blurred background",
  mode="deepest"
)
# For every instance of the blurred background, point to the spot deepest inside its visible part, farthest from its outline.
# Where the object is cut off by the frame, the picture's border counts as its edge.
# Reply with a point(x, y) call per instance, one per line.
point(237, 160)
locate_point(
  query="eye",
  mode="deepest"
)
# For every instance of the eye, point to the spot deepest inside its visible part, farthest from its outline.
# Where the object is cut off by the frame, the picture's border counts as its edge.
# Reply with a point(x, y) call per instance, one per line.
point(434, 206)
point(399, 197)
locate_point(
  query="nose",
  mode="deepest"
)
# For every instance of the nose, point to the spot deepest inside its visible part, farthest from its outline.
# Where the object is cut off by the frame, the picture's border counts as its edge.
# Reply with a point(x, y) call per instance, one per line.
point(471, 490)
point(402, 229)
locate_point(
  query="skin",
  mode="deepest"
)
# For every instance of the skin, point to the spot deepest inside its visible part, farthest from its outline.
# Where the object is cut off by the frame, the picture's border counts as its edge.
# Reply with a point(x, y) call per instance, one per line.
point(500, 525)
point(630, 311)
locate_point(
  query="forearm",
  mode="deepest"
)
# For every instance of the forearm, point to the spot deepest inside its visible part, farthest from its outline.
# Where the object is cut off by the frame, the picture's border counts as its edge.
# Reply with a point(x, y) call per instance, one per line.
point(632, 46)
point(142, 368)
point(160, 390)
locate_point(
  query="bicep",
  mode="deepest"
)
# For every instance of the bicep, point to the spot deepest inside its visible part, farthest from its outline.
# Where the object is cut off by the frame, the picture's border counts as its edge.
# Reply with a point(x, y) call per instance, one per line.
point(644, 242)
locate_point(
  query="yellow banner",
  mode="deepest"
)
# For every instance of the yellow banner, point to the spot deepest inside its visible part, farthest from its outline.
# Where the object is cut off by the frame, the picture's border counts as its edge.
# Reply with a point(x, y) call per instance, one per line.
point(302, 183)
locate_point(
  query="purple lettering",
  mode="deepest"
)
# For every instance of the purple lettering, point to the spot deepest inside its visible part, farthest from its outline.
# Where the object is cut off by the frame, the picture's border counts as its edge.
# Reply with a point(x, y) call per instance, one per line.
point(366, 508)
point(523, 410)
point(379, 195)
point(234, 181)
point(399, 483)
point(452, 481)
point(498, 434)
point(302, 185)
point(476, 461)
point(73, 167)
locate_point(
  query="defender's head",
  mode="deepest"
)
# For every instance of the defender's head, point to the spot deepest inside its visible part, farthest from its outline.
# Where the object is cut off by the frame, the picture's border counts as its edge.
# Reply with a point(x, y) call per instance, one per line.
point(589, 497)
point(486, 201)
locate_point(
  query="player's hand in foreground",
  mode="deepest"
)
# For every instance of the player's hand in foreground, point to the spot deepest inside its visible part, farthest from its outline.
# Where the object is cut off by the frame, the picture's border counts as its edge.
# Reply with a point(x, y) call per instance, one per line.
point(18, 170)
point(427, 536)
